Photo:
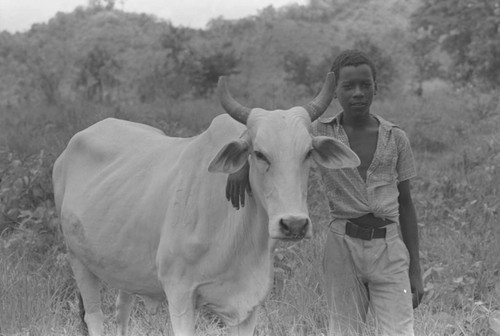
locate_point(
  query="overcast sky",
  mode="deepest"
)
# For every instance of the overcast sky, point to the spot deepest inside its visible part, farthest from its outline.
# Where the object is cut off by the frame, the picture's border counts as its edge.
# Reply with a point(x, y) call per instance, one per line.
point(19, 15)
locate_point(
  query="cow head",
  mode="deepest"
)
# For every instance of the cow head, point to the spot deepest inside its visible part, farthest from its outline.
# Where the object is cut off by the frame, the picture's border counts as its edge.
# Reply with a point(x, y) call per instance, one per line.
point(280, 149)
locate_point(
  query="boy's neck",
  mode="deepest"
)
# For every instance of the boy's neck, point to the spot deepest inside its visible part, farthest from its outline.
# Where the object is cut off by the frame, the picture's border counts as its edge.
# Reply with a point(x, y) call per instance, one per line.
point(359, 121)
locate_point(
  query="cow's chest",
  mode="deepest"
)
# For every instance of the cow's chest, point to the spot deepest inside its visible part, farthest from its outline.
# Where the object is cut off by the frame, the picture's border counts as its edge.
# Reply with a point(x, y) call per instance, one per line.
point(235, 295)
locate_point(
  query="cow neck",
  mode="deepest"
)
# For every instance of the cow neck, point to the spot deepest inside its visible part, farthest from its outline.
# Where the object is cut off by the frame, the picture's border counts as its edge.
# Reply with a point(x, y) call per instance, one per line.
point(254, 224)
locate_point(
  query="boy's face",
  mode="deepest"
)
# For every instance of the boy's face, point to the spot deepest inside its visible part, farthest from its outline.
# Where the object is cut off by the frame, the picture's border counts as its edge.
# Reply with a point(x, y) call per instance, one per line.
point(355, 89)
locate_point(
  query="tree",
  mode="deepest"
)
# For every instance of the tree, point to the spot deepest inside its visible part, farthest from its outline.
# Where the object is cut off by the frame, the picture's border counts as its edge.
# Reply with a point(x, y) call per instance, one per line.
point(210, 66)
point(467, 30)
point(100, 4)
point(178, 62)
point(301, 71)
point(189, 67)
point(48, 59)
point(97, 73)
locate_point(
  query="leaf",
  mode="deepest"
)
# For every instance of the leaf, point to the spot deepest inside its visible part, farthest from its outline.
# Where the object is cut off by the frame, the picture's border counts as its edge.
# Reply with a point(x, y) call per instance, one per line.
point(494, 322)
point(427, 273)
point(25, 214)
point(497, 290)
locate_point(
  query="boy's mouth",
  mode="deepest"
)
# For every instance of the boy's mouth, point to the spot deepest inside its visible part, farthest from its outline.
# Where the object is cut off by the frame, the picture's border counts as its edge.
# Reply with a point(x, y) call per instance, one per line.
point(358, 104)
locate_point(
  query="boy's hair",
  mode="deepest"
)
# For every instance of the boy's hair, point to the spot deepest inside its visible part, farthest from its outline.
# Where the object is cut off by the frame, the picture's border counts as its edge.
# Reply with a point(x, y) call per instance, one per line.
point(352, 57)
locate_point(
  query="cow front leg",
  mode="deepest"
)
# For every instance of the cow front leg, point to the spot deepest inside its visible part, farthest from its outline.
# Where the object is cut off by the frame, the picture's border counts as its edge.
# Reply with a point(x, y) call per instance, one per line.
point(124, 303)
point(89, 286)
point(181, 308)
point(246, 328)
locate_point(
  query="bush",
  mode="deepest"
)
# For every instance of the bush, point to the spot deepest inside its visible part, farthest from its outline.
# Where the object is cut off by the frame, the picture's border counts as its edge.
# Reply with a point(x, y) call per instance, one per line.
point(26, 196)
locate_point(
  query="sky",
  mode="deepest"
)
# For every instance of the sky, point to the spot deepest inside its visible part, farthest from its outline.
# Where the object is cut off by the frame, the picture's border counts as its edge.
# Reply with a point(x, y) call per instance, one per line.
point(19, 15)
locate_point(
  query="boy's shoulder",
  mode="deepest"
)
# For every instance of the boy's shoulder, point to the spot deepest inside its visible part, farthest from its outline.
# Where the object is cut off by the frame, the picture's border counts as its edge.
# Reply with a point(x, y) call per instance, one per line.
point(323, 126)
point(394, 128)
point(385, 123)
point(335, 119)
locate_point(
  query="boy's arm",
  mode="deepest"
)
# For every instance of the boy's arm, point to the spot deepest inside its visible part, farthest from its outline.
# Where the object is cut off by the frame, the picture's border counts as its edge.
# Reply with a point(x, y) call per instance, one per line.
point(409, 230)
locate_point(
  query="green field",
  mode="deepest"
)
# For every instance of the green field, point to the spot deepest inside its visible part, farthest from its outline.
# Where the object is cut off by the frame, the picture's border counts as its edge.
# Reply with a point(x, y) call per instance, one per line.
point(456, 141)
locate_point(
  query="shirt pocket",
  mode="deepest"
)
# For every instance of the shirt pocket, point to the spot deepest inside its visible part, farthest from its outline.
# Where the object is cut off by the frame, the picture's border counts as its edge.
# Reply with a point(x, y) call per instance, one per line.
point(380, 179)
point(385, 171)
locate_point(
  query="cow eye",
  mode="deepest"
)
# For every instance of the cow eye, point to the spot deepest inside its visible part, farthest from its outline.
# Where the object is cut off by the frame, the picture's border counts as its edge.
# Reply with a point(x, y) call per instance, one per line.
point(261, 156)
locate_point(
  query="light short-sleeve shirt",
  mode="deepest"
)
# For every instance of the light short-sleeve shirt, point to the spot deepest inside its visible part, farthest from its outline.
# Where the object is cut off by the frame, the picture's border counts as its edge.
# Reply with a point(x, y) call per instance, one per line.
point(349, 196)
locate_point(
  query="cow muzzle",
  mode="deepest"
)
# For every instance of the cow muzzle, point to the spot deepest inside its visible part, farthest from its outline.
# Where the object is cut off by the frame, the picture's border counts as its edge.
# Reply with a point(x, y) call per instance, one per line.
point(294, 228)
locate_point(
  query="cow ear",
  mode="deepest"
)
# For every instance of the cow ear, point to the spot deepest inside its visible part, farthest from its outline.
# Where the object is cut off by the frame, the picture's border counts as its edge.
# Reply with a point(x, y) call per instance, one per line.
point(230, 158)
point(331, 153)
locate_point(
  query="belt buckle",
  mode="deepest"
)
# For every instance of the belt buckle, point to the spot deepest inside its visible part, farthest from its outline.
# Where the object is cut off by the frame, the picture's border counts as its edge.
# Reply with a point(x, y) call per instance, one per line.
point(370, 231)
point(364, 233)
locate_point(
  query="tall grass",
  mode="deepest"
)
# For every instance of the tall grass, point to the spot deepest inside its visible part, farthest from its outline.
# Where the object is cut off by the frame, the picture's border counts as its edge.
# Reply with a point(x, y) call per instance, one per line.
point(456, 194)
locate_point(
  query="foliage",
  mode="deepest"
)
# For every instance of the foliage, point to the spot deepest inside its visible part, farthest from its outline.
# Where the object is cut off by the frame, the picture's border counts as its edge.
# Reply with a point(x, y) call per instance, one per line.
point(101, 4)
point(456, 196)
point(34, 66)
point(164, 77)
point(26, 194)
point(102, 53)
point(97, 73)
point(468, 31)
point(316, 12)
point(386, 68)
point(210, 66)
point(300, 71)
point(195, 68)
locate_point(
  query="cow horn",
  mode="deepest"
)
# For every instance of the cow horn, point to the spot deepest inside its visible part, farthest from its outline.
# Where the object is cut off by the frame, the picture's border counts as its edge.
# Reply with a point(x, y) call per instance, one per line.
point(319, 104)
point(230, 105)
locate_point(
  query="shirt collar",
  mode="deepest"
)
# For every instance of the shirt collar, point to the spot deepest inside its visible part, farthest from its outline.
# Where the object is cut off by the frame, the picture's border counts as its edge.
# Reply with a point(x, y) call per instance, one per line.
point(335, 120)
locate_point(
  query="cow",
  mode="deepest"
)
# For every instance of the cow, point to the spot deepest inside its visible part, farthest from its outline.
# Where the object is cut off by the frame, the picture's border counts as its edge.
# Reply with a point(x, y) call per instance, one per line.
point(146, 213)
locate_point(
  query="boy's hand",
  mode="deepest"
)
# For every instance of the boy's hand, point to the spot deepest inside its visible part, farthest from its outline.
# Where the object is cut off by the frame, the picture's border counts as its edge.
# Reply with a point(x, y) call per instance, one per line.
point(236, 185)
point(417, 286)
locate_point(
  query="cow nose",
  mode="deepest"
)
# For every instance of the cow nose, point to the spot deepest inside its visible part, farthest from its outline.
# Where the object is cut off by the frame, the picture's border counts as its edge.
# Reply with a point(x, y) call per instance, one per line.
point(294, 227)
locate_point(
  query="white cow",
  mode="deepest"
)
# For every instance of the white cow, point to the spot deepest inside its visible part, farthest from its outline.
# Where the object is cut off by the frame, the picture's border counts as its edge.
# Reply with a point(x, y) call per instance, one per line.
point(141, 211)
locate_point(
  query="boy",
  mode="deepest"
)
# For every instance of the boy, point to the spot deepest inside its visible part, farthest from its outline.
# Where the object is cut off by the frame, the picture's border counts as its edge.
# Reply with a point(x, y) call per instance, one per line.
point(365, 261)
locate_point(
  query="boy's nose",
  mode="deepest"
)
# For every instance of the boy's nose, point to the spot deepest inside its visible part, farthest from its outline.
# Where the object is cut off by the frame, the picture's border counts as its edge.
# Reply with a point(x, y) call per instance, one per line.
point(358, 91)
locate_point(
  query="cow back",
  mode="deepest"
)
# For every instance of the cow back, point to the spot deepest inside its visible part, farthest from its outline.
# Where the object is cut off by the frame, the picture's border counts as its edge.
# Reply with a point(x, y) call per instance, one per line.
point(120, 186)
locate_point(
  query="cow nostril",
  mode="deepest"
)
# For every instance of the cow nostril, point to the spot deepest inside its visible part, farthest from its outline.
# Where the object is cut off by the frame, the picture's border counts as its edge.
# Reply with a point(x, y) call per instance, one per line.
point(304, 228)
point(284, 227)
point(294, 227)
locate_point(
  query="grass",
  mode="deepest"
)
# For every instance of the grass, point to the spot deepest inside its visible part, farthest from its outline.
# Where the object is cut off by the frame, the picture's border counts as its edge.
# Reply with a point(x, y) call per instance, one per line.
point(457, 150)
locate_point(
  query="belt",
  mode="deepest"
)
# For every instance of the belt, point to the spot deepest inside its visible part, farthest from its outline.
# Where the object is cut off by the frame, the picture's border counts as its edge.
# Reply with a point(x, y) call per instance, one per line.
point(370, 220)
point(365, 233)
